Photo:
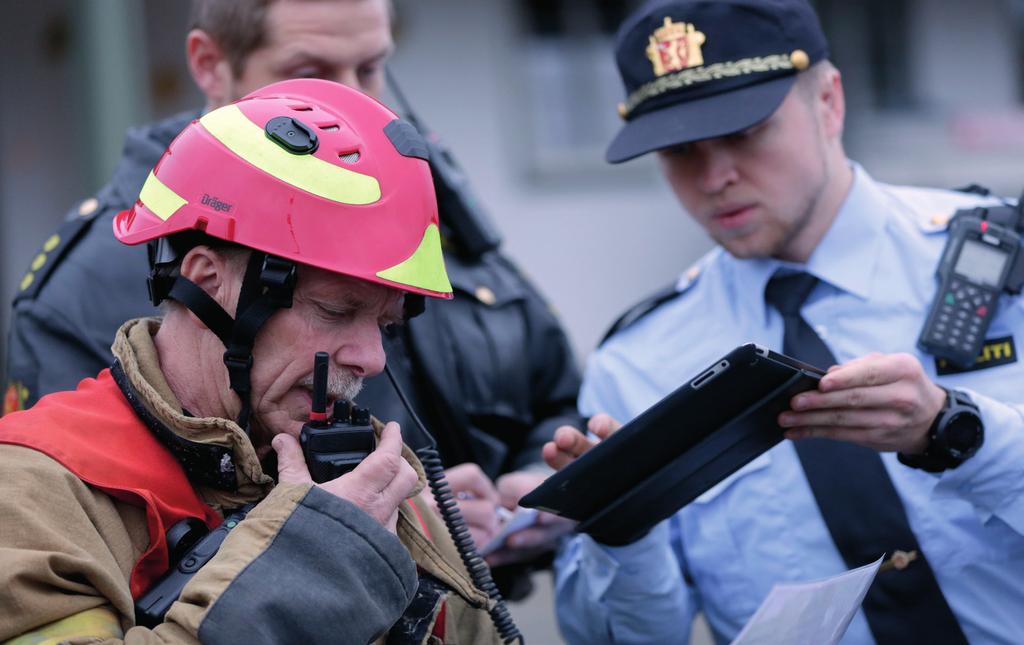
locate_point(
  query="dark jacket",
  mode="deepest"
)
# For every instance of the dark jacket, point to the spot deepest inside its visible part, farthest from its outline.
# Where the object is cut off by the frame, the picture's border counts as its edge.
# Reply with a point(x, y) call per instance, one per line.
point(491, 373)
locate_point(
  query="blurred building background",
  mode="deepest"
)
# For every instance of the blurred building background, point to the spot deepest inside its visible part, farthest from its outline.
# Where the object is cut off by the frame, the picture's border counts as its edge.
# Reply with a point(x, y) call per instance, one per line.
point(524, 93)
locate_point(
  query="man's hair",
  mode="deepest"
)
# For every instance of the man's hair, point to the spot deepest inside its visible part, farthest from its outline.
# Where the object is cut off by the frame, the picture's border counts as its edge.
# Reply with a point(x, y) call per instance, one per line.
point(238, 26)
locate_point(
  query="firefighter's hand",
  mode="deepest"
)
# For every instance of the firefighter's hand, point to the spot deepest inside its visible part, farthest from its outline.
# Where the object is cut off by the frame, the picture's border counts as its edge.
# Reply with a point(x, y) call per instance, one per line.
point(377, 485)
point(569, 443)
point(477, 500)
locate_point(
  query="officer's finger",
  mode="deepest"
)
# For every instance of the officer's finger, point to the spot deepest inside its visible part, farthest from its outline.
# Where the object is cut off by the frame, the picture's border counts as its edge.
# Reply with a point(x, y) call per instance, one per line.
point(569, 443)
point(890, 395)
point(469, 481)
point(603, 425)
point(572, 442)
point(554, 457)
point(867, 437)
point(870, 371)
point(881, 418)
point(291, 465)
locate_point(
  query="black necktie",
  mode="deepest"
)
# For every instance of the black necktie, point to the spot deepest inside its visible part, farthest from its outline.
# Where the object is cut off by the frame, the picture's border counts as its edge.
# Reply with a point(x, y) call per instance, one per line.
point(859, 503)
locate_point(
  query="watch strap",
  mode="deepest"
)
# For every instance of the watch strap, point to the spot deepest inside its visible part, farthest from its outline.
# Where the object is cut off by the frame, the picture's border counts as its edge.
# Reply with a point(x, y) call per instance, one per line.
point(933, 460)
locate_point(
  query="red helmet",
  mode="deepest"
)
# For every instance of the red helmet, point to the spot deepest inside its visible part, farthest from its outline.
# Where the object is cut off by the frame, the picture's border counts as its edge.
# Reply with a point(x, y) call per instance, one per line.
point(306, 170)
point(303, 171)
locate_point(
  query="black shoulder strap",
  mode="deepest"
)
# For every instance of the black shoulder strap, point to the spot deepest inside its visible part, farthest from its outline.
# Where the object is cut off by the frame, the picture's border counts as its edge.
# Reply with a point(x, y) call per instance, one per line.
point(641, 309)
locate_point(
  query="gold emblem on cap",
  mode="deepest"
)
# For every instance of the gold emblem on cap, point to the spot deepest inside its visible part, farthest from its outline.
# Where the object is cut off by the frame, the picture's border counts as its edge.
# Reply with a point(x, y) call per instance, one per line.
point(675, 46)
point(485, 295)
point(800, 60)
point(88, 207)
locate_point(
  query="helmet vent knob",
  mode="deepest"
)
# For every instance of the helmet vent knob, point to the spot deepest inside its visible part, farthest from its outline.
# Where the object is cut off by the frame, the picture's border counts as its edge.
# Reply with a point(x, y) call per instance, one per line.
point(349, 157)
point(293, 135)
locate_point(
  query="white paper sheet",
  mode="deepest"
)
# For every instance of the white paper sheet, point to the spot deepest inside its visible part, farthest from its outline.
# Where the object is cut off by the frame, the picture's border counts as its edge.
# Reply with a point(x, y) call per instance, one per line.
point(812, 613)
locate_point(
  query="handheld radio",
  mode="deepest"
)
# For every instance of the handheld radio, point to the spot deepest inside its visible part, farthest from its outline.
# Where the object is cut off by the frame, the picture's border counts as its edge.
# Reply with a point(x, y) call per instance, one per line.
point(333, 447)
point(980, 262)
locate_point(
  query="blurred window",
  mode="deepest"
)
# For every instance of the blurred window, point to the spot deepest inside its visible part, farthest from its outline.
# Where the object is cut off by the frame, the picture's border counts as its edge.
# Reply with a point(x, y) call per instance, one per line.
point(571, 84)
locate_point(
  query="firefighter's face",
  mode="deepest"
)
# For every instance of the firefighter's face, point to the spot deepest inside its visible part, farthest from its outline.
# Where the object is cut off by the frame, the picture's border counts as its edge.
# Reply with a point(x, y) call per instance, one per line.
point(335, 314)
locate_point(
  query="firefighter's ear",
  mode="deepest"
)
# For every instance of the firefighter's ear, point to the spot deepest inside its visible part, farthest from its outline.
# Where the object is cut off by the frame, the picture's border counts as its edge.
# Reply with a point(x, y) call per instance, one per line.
point(217, 273)
point(210, 68)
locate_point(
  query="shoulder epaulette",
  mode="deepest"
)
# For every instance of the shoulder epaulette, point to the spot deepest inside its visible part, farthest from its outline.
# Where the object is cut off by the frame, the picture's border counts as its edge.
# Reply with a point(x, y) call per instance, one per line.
point(641, 309)
point(645, 307)
point(56, 247)
point(974, 189)
point(655, 300)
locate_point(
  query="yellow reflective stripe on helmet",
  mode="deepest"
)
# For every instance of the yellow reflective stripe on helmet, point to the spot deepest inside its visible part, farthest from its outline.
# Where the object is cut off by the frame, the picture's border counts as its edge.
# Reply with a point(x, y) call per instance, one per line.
point(247, 140)
point(99, 624)
point(160, 199)
point(424, 268)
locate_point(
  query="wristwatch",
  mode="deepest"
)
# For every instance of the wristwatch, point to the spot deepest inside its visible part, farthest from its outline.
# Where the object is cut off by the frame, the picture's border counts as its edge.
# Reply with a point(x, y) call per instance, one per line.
point(954, 436)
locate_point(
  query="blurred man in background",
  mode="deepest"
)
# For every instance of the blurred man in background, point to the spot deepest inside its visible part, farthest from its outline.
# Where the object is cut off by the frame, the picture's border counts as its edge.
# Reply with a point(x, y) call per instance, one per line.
point(490, 373)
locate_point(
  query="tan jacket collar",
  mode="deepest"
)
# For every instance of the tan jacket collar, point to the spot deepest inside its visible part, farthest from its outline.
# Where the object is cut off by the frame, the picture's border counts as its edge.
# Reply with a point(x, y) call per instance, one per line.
point(135, 350)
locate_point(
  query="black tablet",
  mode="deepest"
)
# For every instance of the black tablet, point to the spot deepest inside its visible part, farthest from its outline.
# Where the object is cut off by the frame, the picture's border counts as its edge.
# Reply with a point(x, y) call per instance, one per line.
point(679, 448)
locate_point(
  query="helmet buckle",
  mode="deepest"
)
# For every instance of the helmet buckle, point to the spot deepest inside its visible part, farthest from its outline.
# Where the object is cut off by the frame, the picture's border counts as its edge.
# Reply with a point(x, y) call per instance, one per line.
point(239, 362)
point(278, 278)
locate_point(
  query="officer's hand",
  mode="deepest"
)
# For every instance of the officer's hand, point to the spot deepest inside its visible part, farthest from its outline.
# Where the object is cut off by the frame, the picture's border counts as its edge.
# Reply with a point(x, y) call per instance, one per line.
point(881, 401)
point(569, 443)
point(477, 500)
point(377, 485)
point(531, 542)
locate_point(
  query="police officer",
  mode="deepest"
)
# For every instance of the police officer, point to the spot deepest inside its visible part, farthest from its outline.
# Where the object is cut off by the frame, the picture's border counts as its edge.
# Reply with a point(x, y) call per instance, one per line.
point(491, 373)
point(892, 454)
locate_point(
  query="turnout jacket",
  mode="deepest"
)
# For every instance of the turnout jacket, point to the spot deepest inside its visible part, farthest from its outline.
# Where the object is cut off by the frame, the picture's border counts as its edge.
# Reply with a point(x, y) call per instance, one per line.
point(491, 373)
point(303, 566)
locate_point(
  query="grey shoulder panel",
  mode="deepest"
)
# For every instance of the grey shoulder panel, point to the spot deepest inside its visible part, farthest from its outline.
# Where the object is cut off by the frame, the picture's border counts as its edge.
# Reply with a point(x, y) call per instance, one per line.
point(331, 574)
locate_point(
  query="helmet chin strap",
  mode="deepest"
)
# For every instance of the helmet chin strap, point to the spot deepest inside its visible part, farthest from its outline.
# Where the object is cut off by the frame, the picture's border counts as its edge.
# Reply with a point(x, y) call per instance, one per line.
point(268, 285)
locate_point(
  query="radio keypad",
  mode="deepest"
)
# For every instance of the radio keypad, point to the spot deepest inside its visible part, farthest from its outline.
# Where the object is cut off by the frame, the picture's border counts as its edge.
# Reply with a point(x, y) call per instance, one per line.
point(961, 315)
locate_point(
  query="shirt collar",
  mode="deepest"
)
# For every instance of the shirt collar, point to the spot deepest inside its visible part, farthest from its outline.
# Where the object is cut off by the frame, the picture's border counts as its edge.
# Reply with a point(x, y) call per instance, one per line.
point(845, 258)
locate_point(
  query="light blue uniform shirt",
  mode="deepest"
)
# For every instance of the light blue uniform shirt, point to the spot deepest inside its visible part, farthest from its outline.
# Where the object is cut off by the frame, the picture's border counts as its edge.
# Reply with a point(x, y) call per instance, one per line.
point(722, 553)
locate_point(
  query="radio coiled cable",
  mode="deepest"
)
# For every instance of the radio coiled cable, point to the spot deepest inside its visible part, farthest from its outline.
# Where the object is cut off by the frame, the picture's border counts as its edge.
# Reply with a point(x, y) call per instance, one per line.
point(478, 570)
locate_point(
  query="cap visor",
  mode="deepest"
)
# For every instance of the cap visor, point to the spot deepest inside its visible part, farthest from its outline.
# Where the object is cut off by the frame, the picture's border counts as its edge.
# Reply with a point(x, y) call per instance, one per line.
point(706, 118)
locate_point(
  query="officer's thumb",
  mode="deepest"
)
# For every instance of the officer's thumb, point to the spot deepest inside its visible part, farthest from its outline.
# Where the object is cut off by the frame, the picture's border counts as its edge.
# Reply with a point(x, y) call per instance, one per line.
point(291, 466)
point(603, 425)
